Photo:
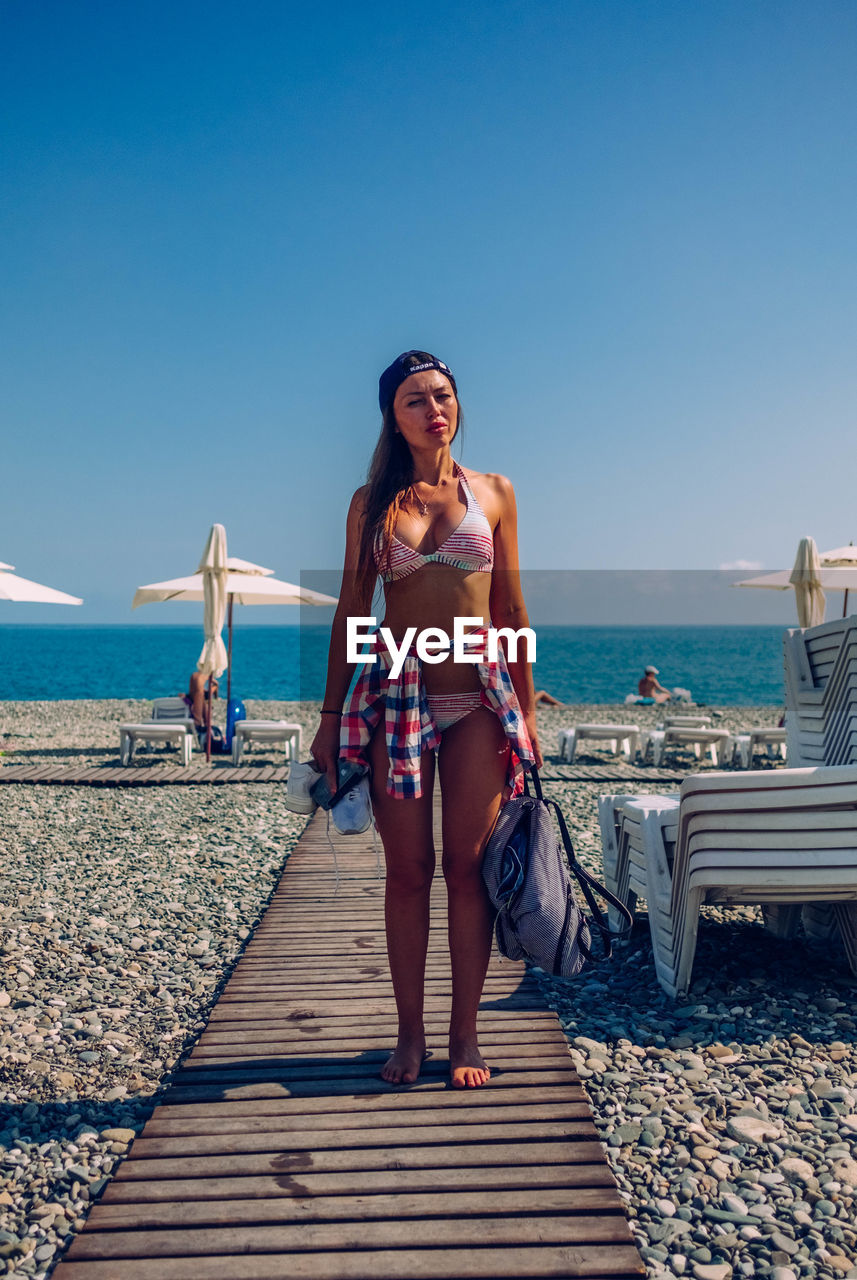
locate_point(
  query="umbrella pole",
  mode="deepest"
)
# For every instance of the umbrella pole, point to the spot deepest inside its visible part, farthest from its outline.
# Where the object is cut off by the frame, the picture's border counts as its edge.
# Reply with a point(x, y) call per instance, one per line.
point(229, 656)
point(208, 727)
point(845, 606)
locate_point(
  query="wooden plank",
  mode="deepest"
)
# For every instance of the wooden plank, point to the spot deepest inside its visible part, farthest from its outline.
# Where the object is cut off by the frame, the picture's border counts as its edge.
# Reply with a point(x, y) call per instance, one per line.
point(160, 1126)
point(244, 990)
point(414, 1098)
point(213, 1088)
point(319, 1073)
point(248, 1009)
point(458, 1155)
point(107, 777)
point(373, 1049)
point(362, 1208)
point(21, 772)
point(271, 1027)
point(10, 773)
point(298, 1182)
point(289, 1139)
point(492, 1021)
point(86, 776)
point(137, 775)
point(45, 772)
point(503, 1263)
point(304, 1236)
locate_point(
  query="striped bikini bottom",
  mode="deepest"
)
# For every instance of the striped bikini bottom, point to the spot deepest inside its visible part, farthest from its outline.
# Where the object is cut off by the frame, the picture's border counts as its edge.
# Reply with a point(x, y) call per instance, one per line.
point(448, 708)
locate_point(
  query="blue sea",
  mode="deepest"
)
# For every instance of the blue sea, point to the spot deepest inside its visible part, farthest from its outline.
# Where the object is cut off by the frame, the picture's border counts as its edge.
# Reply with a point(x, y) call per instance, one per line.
point(738, 665)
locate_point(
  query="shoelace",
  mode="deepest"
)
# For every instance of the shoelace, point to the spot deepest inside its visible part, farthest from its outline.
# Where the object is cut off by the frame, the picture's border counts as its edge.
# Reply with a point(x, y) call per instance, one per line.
point(333, 849)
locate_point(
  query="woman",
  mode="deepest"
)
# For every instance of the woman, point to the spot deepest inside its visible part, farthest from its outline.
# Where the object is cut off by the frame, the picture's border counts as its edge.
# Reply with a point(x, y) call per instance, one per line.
point(444, 542)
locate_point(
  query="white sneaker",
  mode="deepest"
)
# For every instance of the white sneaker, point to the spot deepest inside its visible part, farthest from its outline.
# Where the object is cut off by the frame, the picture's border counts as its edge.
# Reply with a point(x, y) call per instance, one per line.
point(352, 813)
point(302, 775)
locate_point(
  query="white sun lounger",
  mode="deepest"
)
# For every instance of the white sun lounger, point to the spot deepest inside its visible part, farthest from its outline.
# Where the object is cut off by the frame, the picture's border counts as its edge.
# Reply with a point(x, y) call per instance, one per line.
point(621, 737)
point(714, 741)
point(171, 722)
point(782, 839)
point(756, 741)
point(131, 735)
point(173, 711)
point(249, 731)
point(619, 817)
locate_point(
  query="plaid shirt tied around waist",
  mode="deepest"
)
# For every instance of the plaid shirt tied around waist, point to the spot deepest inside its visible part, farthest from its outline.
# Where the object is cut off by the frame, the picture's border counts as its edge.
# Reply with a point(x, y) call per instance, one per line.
point(408, 725)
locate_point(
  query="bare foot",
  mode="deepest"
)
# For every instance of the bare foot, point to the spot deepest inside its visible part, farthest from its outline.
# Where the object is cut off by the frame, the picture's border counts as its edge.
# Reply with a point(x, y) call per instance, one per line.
point(403, 1064)
point(468, 1068)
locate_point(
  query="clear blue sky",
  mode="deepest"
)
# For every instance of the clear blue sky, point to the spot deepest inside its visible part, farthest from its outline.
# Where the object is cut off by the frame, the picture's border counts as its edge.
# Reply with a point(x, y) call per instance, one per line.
point(629, 227)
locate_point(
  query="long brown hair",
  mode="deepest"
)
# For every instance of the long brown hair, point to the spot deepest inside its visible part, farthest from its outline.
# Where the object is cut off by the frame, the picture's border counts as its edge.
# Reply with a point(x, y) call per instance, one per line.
point(390, 476)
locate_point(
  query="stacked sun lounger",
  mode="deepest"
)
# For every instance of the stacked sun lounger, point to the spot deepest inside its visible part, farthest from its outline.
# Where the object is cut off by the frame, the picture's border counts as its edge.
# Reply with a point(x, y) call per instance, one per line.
point(620, 818)
point(782, 839)
point(821, 693)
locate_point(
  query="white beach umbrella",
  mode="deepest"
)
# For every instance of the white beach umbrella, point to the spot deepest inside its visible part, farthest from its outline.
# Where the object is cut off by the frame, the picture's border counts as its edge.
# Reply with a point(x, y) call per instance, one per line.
point(837, 571)
point(841, 557)
point(809, 595)
point(242, 587)
point(22, 590)
point(246, 583)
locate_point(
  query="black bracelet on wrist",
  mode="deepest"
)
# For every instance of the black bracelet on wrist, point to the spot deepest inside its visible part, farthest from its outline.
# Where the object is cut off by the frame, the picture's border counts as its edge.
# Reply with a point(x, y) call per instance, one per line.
point(325, 711)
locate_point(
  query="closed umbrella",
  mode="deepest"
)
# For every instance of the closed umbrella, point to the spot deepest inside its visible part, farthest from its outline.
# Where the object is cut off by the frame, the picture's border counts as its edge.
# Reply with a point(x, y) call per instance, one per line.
point(22, 590)
point(212, 568)
point(809, 595)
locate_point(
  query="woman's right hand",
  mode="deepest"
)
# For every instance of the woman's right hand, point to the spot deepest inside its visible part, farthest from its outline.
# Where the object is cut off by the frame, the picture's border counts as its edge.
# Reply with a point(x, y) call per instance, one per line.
point(325, 749)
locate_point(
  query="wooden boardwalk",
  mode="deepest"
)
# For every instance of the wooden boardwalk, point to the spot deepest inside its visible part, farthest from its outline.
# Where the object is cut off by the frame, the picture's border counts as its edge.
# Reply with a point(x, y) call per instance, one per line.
point(152, 775)
point(278, 1152)
point(218, 774)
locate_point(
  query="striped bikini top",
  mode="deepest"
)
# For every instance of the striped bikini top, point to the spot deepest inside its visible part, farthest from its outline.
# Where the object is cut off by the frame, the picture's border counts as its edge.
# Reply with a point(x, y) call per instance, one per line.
point(470, 545)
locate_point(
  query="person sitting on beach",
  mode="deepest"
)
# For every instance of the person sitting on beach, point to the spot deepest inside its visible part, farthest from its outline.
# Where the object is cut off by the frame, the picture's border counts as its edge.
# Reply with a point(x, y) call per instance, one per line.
point(649, 687)
point(542, 695)
point(444, 543)
point(197, 699)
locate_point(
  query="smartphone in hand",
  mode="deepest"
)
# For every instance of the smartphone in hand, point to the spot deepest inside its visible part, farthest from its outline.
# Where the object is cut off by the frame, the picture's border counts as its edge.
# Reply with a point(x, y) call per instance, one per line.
point(348, 772)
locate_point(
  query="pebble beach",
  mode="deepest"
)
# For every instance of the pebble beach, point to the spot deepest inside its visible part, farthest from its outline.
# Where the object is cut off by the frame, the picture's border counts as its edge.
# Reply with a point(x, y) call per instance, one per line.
point(729, 1120)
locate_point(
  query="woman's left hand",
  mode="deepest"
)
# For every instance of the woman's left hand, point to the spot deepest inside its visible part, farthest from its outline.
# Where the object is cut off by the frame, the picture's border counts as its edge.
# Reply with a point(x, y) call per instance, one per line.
point(532, 730)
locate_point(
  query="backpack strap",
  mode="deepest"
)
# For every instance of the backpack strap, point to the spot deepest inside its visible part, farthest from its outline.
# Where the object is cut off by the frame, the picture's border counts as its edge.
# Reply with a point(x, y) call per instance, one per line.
point(585, 879)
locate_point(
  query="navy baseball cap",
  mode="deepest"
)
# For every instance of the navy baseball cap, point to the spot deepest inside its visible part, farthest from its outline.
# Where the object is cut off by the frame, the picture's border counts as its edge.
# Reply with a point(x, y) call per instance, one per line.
point(402, 367)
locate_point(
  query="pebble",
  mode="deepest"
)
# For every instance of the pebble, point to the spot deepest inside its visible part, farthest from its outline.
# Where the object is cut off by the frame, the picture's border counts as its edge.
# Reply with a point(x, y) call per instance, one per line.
point(765, 1035)
point(749, 1127)
point(751, 1081)
point(122, 919)
point(796, 1170)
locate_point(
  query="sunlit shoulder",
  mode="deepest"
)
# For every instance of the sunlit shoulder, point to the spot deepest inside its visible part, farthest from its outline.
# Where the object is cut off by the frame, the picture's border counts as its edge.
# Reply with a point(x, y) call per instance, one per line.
point(494, 492)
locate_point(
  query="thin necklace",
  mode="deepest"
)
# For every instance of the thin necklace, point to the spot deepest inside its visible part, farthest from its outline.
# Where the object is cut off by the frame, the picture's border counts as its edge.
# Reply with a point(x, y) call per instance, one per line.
point(424, 505)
